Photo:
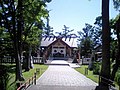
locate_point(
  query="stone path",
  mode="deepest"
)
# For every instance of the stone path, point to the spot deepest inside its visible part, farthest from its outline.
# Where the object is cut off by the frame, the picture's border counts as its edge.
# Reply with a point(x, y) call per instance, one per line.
point(63, 77)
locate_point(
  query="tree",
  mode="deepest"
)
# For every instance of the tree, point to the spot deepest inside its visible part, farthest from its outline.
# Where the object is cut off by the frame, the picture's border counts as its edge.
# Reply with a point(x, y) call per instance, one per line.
point(86, 39)
point(105, 69)
point(48, 29)
point(116, 4)
point(12, 21)
point(33, 28)
point(17, 21)
point(6, 48)
point(66, 32)
point(98, 31)
point(115, 24)
point(116, 50)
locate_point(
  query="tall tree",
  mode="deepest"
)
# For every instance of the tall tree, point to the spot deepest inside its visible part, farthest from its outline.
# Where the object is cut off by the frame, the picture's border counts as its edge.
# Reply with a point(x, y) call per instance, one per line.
point(91, 35)
point(6, 48)
point(115, 24)
point(98, 31)
point(48, 29)
point(12, 17)
point(116, 4)
point(86, 39)
point(33, 23)
point(105, 69)
point(116, 50)
point(66, 32)
point(12, 20)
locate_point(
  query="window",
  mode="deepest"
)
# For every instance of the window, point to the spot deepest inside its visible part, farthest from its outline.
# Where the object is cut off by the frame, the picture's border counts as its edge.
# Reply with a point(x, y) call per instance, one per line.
point(55, 47)
point(55, 50)
point(61, 51)
point(61, 47)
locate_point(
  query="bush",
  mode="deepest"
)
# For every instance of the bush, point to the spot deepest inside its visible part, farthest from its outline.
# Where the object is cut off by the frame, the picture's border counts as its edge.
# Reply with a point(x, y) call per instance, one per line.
point(4, 77)
point(96, 68)
point(117, 77)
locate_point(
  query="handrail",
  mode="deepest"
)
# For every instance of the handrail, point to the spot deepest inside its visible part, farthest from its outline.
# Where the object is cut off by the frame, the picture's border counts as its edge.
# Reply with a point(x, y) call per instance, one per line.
point(28, 82)
point(37, 59)
point(10, 60)
point(111, 85)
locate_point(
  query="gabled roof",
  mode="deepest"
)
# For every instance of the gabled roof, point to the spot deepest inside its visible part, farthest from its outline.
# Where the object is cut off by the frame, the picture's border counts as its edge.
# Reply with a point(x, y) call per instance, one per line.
point(46, 41)
point(98, 47)
point(59, 39)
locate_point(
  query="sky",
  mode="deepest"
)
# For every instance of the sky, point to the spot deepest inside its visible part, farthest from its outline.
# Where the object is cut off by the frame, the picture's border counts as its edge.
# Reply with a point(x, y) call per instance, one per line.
point(75, 13)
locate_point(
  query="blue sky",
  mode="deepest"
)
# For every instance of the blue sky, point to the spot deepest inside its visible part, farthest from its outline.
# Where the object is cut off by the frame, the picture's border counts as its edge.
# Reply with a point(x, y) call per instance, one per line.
point(75, 13)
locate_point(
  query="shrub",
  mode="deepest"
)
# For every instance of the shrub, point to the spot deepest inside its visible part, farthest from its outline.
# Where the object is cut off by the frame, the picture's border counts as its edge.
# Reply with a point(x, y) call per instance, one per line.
point(4, 77)
point(117, 77)
point(96, 68)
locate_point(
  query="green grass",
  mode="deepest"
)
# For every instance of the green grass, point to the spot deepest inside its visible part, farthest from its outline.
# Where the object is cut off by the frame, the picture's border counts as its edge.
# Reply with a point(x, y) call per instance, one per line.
point(12, 84)
point(90, 75)
point(29, 74)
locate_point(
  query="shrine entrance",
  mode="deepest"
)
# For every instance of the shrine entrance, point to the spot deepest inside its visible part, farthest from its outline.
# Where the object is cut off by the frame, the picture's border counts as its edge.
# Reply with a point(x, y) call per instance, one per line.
point(58, 51)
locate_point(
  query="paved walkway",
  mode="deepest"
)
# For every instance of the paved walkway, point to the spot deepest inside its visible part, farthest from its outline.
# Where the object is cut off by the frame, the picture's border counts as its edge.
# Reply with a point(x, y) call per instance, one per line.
point(63, 77)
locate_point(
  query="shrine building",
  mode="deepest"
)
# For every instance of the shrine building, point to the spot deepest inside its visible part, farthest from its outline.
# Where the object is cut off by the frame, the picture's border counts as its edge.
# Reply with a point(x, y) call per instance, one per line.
point(58, 47)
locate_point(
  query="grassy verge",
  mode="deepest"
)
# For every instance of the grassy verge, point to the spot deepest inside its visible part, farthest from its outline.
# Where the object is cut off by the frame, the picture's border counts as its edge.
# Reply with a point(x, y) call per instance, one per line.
point(90, 75)
point(29, 74)
point(12, 84)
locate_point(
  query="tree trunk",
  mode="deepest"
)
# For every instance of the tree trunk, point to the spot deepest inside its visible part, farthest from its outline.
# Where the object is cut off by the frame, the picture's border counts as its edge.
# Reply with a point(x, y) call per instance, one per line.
point(27, 58)
point(30, 59)
point(19, 75)
point(27, 62)
point(105, 70)
point(18, 42)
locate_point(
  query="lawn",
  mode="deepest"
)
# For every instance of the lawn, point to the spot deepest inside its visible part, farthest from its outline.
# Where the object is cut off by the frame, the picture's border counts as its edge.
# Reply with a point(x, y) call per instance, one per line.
point(90, 73)
point(12, 84)
point(41, 69)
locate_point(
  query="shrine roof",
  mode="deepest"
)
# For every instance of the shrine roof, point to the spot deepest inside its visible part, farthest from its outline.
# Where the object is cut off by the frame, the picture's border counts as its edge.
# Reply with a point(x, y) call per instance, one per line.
point(71, 41)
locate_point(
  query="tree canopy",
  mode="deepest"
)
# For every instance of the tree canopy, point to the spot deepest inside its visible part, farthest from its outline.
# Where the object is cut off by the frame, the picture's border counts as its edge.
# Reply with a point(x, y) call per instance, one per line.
point(66, 32)
point(22, 20)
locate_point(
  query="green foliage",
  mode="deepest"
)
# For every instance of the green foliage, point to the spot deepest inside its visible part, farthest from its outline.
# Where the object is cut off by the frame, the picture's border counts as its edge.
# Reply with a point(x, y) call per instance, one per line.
point(96, 68)
point(34, 11)
point(5, 76)
point(115, 48)
point(31, 16)
point(85, 38)
point(6, 47)
point(90, 73)
point(98, 21)
point(8, 76)
point(33, 37)
point(66, 32)
point(90, 36)
point(29, 74)
point(116, 4)
point(22, 23)
point(113, 22)
point(117, 77)
point(48, 31)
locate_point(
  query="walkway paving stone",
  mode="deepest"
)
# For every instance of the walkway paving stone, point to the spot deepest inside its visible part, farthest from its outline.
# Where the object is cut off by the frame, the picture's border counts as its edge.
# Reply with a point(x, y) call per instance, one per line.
point(60, 77)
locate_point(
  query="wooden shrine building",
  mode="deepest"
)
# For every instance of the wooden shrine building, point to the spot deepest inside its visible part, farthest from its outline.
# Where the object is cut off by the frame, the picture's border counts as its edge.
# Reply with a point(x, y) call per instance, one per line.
point(58, 47)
